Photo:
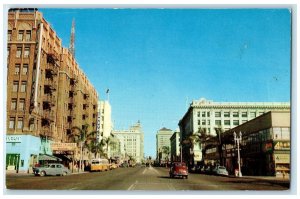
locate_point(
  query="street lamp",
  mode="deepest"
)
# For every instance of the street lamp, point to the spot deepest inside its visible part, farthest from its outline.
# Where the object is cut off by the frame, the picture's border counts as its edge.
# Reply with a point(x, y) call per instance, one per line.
point(237, 141)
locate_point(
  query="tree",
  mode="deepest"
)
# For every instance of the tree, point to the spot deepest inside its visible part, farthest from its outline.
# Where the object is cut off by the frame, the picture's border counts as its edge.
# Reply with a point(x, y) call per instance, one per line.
point(107, 141)
point(166, 150)
point(82, 137)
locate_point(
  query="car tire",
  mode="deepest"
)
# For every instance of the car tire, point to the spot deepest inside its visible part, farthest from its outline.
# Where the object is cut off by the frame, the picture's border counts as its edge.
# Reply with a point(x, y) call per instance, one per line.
point(43, 173)
point(186, 177)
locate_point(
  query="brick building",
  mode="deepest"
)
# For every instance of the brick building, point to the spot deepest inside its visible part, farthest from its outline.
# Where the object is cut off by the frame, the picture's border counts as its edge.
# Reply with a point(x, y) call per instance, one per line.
point(47, 92)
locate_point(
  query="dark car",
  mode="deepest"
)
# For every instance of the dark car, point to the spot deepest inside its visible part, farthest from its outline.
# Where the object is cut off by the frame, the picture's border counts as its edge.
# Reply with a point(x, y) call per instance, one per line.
point(178, 169)
point(51, 169)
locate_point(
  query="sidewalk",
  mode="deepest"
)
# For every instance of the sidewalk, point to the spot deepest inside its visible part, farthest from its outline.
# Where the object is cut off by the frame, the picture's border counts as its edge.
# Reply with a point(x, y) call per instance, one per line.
point(24, 173)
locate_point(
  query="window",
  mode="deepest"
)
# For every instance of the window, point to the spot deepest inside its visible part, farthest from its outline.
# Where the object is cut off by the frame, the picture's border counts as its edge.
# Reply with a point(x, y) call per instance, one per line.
point(226, 122)
point(208, 114)
point(9, 35)
point(203, 122)
point(226, 114)
point(13, 105)
point(23, 86)
point(28, 35)
point(203, 114)
point(12, 123)
point(20, 123)
point(19, 52)
point(252, 114)
point(244, 114)
point(25, 69)
point(198, 113)
point(235, 114)
point(236, 122)
point(217, 114)
point(26, 52)
point(217, 122)
point(20, 35)
point(15, 86)
point(17, 69)
point(22, 104)
point(208, 122)
point(8, 50)
point(198, 122)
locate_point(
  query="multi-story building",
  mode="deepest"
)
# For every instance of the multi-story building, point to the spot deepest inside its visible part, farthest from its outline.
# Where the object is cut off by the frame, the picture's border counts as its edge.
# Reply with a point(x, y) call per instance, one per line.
point(163, 145)
point(264, 146)
point(131, 143)
point(175, 146)
point(47, 92)
point(209, 116)
point(105, 124)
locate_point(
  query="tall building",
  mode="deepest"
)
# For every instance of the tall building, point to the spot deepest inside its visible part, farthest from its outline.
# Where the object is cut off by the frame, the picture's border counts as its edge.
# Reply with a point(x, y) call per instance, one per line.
point(105, 124)
point(175, 146)
point(47, 92)
point(209, 115)
point(163, 145)
point(131, 142)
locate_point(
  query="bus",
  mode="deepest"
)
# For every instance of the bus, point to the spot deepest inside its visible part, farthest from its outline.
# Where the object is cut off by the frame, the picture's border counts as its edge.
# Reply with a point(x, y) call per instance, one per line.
point(99, 165)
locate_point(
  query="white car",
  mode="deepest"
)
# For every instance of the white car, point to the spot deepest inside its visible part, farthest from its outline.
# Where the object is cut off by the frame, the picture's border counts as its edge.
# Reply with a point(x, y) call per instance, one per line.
point(220, 170)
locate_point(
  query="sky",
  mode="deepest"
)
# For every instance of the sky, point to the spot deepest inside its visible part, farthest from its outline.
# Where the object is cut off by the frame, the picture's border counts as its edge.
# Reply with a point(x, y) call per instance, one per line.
point(156, 61)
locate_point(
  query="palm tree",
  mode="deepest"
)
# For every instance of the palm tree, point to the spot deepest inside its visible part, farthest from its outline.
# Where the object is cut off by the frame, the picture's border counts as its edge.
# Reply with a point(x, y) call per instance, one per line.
point(107, 141)
point(82, 137)
point(166, 150)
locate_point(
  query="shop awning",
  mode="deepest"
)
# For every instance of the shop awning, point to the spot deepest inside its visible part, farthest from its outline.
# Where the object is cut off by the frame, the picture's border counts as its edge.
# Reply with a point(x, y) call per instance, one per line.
point(48, 157)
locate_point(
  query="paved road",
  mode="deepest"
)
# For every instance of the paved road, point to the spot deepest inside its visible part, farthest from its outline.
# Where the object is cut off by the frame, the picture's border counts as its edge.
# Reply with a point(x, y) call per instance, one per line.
point(139, 178)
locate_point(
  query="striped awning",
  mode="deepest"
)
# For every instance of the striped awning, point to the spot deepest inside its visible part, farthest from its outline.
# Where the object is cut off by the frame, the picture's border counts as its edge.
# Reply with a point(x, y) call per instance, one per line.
point(48, 157)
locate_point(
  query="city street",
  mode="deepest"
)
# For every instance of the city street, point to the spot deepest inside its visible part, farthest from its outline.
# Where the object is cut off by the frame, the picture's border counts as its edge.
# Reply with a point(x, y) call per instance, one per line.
point(139, 178)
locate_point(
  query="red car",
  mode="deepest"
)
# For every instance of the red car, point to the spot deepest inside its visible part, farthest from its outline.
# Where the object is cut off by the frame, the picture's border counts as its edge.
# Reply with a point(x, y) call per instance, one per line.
point(178, 169)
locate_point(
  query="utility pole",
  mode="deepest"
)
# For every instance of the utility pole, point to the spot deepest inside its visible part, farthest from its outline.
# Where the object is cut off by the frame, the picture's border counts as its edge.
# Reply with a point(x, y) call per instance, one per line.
point(237, 141)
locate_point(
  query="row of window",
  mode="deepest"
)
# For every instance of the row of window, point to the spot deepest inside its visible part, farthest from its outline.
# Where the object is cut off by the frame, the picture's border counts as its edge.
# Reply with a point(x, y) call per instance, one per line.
point(18, 68)
point(15, 87)
point(12, 123)
point(21, 35)
point(228, 114)
point(19, 52)
point(21, 104)
point(219, 122)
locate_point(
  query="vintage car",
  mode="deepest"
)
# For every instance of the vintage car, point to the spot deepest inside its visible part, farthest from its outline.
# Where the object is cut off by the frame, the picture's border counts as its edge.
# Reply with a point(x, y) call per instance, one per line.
point(220, 170)
point(178, 169)
point(51, 169)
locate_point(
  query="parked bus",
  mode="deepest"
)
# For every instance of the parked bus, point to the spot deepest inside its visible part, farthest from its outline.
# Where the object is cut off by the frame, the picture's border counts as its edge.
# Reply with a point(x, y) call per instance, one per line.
point(99, 165)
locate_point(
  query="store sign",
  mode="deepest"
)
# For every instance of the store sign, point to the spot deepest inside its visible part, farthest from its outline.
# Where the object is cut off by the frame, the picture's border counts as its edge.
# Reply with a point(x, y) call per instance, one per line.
point(282, 158)
point(283, 145)
point(58, 146)
point(13, 138)
point(58, 152)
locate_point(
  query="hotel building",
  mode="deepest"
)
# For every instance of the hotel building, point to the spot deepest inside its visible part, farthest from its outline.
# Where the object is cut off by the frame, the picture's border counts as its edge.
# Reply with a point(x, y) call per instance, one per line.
point(47, 92)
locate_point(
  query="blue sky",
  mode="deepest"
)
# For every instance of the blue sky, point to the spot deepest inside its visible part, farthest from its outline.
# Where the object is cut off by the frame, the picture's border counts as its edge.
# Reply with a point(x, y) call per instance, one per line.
point(154, 61)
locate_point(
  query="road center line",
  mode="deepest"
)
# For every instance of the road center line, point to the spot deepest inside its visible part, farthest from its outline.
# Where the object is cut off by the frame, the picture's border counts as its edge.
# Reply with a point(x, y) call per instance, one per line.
point(132, 186)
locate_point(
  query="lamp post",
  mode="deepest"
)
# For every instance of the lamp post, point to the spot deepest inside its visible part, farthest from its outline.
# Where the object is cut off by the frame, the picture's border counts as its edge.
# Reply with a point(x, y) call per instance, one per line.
point(237, 141)
point(81, 143)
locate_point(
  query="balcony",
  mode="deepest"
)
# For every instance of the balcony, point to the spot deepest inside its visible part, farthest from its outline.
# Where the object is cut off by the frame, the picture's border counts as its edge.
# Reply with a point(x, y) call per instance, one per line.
point(73, 81)
point(49, 115)
point(50, 99)
point(49, 89)
point(49, 73)
point(52, 57)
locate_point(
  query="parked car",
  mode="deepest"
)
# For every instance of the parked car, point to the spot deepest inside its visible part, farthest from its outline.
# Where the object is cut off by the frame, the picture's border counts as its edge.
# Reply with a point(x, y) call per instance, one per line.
point(178, 169)
point(113, 166)
point(52, 169)
point(220, 170)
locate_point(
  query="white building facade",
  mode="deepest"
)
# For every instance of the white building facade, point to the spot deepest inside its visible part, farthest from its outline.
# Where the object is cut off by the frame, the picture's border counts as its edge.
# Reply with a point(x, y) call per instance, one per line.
point(209, 115)
point(163, 140)
point(104, 122)
point(131, 143)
